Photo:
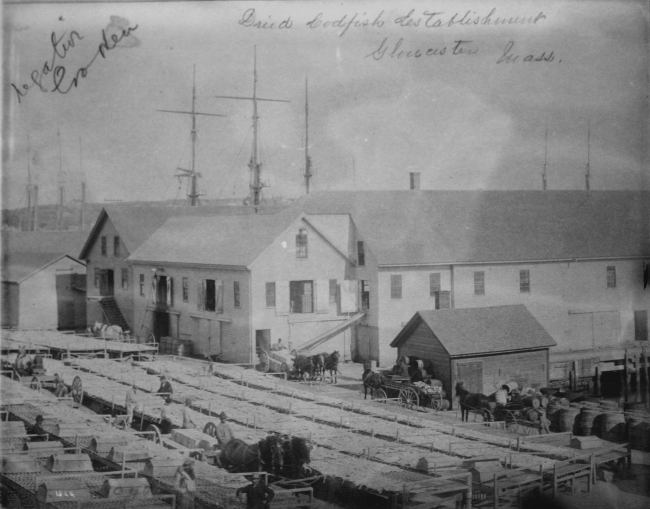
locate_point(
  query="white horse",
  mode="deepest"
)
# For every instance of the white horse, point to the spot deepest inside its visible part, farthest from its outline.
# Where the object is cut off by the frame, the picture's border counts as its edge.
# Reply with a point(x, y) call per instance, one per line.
point(110, 332)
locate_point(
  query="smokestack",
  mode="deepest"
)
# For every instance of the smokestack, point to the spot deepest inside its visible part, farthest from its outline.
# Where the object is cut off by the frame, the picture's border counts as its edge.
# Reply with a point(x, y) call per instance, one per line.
point(415, 180)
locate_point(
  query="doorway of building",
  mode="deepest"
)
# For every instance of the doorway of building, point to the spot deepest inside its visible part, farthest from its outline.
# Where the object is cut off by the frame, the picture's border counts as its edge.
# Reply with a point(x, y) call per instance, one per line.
point(106, 283)
point(160, 324)
point(262, 340)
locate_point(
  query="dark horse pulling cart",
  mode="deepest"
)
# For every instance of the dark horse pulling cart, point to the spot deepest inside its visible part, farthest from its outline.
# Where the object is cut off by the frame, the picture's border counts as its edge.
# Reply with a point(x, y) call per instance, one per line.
point(410, 395)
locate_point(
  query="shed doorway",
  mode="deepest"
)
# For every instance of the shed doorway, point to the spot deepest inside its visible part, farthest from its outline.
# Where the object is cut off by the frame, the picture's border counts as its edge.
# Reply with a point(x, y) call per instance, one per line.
point(106, 283)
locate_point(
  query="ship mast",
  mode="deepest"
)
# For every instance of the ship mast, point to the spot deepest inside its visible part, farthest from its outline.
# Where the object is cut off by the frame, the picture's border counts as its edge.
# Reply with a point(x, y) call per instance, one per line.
point(255, 165)
point(308, 172)
point(191, 173)
point(544, 183)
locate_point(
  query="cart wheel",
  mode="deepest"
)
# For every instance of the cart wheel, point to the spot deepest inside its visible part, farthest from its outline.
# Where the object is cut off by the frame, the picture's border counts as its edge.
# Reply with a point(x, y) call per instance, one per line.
point(77, 391)
point(380, 395)
point(435, 404)
point(35, 384)
point(156, 436)
point(264, 362)
point(210, 429)
point(408, 398)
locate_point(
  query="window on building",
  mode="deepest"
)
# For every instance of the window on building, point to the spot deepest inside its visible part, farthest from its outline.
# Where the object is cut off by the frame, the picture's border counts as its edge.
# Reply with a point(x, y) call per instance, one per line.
point(186, 289)
point(434, 284)
point(235, 293)
point(98, 275)
point(361, 253)
point(125, 279)
point(365, 294)
point(479, 282)
point(524, 281)
point(641, 325)
point(141, 284)
point(301, 295)
point(211, 295)
point(301, 243)
point(333, 292)
point(611, 276)
point(104, 246)
point(396, 286)
point(270, 295)
point(116, 246)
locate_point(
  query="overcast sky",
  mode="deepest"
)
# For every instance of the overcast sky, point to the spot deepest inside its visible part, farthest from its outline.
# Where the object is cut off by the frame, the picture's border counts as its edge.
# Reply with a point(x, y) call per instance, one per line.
point(470, 120)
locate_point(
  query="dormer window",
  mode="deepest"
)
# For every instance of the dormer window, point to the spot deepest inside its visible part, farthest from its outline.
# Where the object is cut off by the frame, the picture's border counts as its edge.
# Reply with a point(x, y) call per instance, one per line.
point(301, 243)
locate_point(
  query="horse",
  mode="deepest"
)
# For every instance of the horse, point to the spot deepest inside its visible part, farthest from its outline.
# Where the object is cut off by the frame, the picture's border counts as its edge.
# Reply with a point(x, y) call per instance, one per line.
point(111, 332)
point(372, 380)
point(472, 401)
point(296, 454)
point(237, 455)
point(303, 365)
point(318, 364)
point(332, 364)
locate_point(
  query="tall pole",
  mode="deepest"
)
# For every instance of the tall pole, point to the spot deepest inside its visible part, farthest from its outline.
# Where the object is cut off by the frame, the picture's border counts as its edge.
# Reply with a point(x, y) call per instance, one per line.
point(544, 184)
point(30, 218)
point(193, 194)
point(587, 175)
point(308, 173)
point(61, 193)
point(82, 212)
point(255, 166)
point(192, 174)
point(256, 169)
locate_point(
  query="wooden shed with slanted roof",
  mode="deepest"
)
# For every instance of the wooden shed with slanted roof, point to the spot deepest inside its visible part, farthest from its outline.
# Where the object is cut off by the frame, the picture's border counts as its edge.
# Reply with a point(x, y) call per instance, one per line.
point(483, 347)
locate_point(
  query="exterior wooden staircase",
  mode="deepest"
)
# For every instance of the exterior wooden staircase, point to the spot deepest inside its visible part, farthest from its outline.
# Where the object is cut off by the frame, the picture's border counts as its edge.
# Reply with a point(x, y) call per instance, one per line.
point(112, 313)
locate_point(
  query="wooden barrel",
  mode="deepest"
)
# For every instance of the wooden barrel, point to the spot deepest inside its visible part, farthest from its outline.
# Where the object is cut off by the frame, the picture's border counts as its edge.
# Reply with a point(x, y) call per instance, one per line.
point(588, 417)
point(564, 401)
point(444, 404)
point(531, 401)
point(543, 402)
point(612, 426)
point(639, 433)
point(510, 386)
point(568, 417)
point(532, 414)
point(553, 411)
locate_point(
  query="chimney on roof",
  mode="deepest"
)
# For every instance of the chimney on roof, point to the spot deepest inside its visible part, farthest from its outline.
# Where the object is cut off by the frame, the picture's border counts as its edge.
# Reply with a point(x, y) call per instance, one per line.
point(415, 180)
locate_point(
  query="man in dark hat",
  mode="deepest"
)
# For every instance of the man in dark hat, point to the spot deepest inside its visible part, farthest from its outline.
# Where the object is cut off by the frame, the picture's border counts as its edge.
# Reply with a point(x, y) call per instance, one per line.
point(37, 429)
point(165, 387)
point(185, 483)
point(224, 433)
point(258, 494)
point(165, 419)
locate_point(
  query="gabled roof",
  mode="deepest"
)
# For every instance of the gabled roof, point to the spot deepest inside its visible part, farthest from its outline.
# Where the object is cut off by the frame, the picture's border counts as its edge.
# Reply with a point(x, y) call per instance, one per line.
point(218, 240)
point(136, 224)
point(18, 267)
point(426, 227)
point(474, 331)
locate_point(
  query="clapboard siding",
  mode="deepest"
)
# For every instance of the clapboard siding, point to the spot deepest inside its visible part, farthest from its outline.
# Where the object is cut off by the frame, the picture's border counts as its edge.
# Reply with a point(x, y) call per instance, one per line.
point(424, 344)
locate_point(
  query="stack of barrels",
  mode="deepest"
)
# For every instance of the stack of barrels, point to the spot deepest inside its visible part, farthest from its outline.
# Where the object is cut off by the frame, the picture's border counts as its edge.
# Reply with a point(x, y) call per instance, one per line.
point(612, 422)
point(534, 401)
point(638, 425)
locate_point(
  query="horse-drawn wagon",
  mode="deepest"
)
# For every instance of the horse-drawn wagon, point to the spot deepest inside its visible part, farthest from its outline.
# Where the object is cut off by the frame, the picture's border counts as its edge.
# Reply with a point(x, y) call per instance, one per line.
point(385, 386)
point(275, 361)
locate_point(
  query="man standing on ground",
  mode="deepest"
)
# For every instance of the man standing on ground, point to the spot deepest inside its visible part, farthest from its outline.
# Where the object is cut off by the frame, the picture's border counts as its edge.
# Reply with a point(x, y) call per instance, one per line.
point(224, 433)
point(130, 403)
point(258, 494)
point(188, 423)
